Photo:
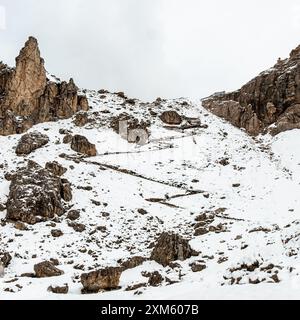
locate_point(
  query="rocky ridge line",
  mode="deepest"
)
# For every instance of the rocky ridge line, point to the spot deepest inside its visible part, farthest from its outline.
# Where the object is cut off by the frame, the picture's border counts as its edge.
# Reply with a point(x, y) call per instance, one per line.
point(268, 103)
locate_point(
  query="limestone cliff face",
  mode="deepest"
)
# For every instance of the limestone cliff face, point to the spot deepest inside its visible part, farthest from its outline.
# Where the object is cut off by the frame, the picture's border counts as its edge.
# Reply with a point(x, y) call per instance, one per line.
point(273, 97)
point(27, 97)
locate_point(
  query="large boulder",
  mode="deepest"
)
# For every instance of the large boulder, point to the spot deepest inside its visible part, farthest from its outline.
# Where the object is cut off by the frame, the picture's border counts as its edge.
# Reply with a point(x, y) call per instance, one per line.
point(171, 118)
point(36, 194)
point(47, 269)
point(101, 280)
point(30, 142)
point(82, 145)
point(28, 97)
point(171, 247)
point(272, 98)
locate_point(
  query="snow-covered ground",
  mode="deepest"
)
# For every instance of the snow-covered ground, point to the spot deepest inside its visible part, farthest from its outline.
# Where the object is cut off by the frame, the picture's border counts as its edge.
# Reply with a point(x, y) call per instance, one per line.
point(253, 197)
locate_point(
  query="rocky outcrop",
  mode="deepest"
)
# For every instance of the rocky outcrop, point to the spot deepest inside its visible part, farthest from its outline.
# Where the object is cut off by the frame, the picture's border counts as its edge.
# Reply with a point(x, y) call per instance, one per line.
point(30, 142)
point(36, 194)
point(81, 144)
point(289, 120)
point(47, 269)
point(101, 280)
point(232, 111)
point(28, 97)
point(171, 247)
point(171, 118)
point(272, 98)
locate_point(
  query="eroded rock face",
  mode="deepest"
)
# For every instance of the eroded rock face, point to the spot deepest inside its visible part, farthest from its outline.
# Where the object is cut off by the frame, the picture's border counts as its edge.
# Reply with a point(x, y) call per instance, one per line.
point(171, 247)
point(273, 97)
point(27, 97)
point(289, 120)
point(171, 118)
point(36, 194)
point(81, 144)
point(101, 280)
point(30, 142)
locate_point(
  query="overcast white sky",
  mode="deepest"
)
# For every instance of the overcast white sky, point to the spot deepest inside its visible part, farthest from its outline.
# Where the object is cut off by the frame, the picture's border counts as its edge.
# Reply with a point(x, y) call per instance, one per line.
point(151, 48)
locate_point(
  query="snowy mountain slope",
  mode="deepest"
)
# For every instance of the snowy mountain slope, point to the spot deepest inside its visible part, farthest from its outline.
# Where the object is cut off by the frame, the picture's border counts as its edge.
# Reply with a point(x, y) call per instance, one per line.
point(248, 188)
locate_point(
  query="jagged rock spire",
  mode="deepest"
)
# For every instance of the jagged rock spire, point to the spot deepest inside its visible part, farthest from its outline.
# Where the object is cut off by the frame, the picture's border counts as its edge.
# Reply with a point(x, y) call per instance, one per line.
point(28, 81)
point(27, 97)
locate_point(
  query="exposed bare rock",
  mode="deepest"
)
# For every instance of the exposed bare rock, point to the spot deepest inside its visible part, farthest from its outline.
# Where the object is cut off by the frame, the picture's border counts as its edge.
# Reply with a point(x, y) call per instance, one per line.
point(4, 74)
point(81, 144)
point(133, 262)
point(289, 120)
point(47, 269)
point(8, 123)
point(273, 97)
point(78, 227)
point(35, 194)
point(56, 233)
point(73, 215)
point(59, 290)
point(101, 280)
point(27, 97)
point(67, 138)
point(232, 111)
point(81, 119)
point(30, 142)
point(121, 95)
point(171, 118)
point(20, 226)
point(27, 81)
point(155, 279)
point(171, 247)
point(5, 259)
point(56, 168)
point(198, 267)
point(2, 207)
point(66, 190)
point(136, 286)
